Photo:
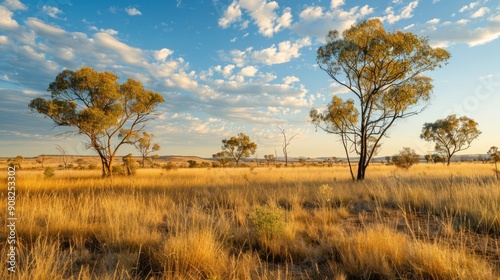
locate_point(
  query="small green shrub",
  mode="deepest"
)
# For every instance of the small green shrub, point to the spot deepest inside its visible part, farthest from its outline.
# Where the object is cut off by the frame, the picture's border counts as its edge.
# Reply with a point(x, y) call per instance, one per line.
point(49, 172)
point(267, 221)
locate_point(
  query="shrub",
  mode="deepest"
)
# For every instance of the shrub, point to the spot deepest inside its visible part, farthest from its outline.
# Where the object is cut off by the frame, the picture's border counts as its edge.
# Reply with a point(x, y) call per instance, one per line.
point(406, 158)
point(169, 166)
point(117, 169)
point(49, 172)
point(267, 221)
point(93, 166)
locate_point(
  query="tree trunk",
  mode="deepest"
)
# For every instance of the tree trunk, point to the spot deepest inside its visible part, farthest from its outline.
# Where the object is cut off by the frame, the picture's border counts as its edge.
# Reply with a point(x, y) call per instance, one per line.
point(449, 161)
point(106, 167)
point(361, 171)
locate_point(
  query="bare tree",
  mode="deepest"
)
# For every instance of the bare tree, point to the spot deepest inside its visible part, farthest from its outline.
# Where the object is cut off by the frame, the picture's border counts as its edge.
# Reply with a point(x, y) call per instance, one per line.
point(63, 154)
point(286, 142)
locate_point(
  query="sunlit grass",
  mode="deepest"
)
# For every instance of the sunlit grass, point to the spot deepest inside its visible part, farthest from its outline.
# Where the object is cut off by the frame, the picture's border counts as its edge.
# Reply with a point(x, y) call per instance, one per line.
point(429, 222)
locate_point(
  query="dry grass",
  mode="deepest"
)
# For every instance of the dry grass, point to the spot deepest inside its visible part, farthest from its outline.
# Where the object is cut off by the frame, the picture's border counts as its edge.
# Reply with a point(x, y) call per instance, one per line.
point(431, 222)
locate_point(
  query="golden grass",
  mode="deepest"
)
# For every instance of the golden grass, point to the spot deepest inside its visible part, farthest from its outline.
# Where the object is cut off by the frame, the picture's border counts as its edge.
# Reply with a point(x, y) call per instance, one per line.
point(431, 222)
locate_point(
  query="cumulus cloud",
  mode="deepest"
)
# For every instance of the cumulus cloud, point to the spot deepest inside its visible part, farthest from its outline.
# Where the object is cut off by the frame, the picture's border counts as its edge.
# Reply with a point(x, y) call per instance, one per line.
point(406, 12)
point(290, 79)
point(481, 12)
point(469, 7)
point(263, 14)
point(249, 71)
point(14, 5)
point(316, 21)
point(231, 14)
point(6, 20)
point(275, 54)
point(52, 12)
point(133, 11)
point(162, 54)
point(284, 52)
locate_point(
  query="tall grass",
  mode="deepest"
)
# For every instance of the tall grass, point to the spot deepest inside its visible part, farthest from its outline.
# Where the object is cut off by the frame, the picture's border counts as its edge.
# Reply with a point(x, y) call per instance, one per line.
point(431, 222)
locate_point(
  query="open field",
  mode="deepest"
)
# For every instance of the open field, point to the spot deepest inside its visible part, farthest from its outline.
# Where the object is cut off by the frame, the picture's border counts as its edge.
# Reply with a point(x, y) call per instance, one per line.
point(431, 222)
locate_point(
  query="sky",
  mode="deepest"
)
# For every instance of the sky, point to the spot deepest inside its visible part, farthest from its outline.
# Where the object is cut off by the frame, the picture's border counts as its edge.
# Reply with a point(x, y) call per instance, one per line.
point(225, 67)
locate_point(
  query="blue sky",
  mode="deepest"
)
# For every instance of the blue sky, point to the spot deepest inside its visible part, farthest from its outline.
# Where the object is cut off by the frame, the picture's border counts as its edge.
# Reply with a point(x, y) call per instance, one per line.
point(226, 67)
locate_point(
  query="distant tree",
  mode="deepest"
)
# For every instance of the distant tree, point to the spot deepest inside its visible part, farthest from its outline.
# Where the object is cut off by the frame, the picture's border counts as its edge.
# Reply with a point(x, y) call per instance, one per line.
point(63, 154)
point(406, 158)
point(41, 160)
point(270, 159)
point(428, 158)
point(17, 162)
point(143, 142)
point(99, 108)
point(153, 159)
point(224, 158)
point(388, 159)
point(130, 164)
point(383, 70)
point(451, 134)
point(238, 147)
point(286, 142)
point(192, 163)
point(436, 158)
point(495, 157)
point(302, 161)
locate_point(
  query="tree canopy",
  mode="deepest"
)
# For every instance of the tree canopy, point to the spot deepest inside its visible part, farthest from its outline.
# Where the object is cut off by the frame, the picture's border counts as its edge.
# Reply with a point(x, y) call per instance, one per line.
point(237, 147)
point(383, 71)
point(100, 108)
point(451, 134)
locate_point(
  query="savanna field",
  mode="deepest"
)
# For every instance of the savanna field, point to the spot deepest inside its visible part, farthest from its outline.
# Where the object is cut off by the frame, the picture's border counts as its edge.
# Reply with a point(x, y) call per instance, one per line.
point(428, 222)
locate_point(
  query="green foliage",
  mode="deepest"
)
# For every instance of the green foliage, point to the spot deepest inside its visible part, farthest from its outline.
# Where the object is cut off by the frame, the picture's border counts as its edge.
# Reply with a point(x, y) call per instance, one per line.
point(383, 70)
point(117, 170)
point(16, 162)
point(97, 106)
point(48, 172)
point(267, 221)
point(130, 164)
point(236, 148)
point(451, 134)
point(192, 163)
point(223, 158)
point(406, 158)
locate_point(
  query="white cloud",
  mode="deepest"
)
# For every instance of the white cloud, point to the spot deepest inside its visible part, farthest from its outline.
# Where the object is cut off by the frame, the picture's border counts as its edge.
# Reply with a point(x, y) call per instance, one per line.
point(311, 13)
point(133, 11)
point(6, 20)
point(409, 26)
point(162, 54)
point(480, 12)
point(290, 79)
point(336, 3)
point(226, 71)
point(231, 14)
point(406, 13)
point(469, 7)
point(284, 52)
point(261, 11)
point(433, 21)
point(128, 54)
point(14, 5)
point(108, 31)
point(52, 12)
point(316, 22)
point(4, 40)
point(248, 71)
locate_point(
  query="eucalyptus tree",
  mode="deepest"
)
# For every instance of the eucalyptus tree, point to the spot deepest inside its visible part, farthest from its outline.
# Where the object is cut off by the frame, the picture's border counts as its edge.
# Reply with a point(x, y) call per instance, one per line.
point(106, 112)
point(451, 134)
point(382, 71)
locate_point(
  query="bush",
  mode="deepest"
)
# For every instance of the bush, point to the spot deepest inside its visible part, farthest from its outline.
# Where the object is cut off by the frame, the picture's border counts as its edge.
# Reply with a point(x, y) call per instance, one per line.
point(130, 164)
point(49, 172)
point(406, 158)
point(93, 166)
point(267, 221)
point(117, 169)
point(169, 166)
